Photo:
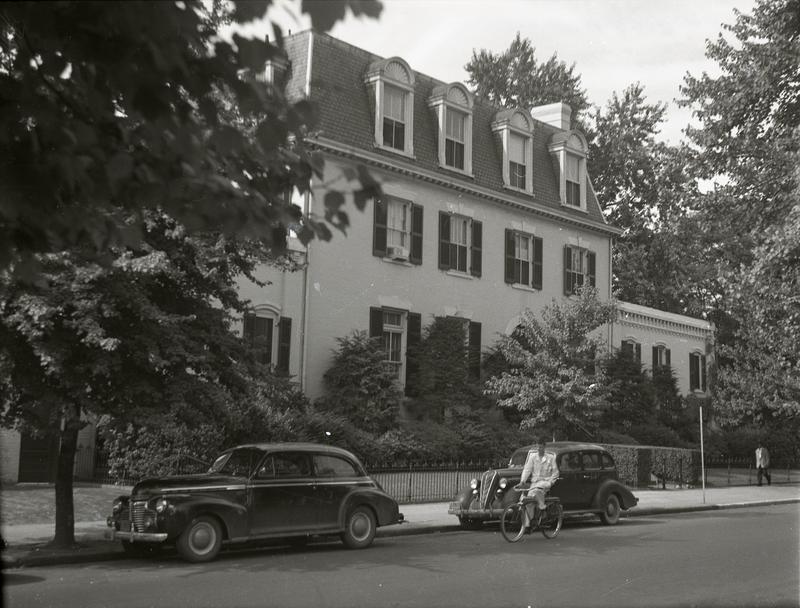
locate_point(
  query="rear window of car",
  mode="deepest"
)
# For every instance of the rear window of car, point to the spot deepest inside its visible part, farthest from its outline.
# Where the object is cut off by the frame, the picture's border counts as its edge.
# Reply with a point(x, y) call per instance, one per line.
point(591, 460)
point(326, 465)
point(608, 462)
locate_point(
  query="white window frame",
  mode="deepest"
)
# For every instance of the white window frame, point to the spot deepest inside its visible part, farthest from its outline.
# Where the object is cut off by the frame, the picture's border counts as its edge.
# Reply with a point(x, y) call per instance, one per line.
point(702, 371)
point(395, 73)
point(457, 220)
point(453, 97)
point(571, 144)
point(272, 314)
point(661, 349)
point(402, 233)
point(395, 332)
point(510, 123)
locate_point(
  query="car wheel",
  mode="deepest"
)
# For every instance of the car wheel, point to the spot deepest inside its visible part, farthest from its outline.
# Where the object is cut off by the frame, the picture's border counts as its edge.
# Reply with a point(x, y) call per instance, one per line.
point(140, 549)
point(611, 511)
point(201, 540)
point(467, 523)
point(359, 528)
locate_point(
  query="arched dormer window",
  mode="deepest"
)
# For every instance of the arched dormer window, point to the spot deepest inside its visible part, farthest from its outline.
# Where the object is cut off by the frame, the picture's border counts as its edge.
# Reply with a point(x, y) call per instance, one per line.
point(570, 148)
point(515, 128)
point(452, 104)
point(392, 83)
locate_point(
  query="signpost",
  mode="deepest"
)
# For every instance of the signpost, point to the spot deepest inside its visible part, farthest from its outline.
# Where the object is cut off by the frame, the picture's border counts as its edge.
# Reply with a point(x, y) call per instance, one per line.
point(702, 457)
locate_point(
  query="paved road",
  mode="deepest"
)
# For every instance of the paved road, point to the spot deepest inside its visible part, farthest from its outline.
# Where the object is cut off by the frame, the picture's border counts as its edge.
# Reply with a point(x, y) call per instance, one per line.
point(741, 557)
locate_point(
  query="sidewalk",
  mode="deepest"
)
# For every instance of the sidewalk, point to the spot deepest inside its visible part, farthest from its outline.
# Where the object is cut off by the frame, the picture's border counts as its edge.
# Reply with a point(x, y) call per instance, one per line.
point(26, 544)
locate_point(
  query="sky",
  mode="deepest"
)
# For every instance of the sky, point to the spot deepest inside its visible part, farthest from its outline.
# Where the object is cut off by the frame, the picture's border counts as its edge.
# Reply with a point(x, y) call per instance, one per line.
point(613, 43)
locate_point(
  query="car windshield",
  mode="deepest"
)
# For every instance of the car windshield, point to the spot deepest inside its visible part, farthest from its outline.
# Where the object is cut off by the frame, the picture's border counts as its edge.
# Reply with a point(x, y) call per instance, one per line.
point(238, 463)
point(519, 457)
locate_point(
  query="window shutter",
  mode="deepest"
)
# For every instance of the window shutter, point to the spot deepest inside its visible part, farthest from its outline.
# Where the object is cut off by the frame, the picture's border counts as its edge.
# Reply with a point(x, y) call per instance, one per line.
point(284, 343)
point(416, 234)
point(375, 322)
point(509, 270)
point(536, 274)
point(379, 228)
point(248, 331)
point(474, 352)
point(444, 240)
point(667, 358)
point(638, 352)
point(694, 371)
point(591, 258)
point(412, 342)
point(627, 348)
point(476, 261)
point(703, 372)
point(655, 357)
point(567, 263)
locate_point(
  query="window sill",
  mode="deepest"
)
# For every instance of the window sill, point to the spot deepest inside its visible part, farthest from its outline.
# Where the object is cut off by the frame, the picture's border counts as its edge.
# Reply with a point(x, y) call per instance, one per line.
point(395, 151)
point(574, 207)
point(522, 287)
point(518, 190)
point(459, 274)
point(459, 172)
point(397, 262)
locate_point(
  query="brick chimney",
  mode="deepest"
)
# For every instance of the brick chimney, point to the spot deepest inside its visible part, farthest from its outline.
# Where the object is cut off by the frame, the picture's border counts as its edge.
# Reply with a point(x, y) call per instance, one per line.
point(556, 114)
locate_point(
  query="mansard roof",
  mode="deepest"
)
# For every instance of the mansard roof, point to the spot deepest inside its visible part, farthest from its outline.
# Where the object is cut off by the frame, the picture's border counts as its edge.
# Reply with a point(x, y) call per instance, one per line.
point(345, 106)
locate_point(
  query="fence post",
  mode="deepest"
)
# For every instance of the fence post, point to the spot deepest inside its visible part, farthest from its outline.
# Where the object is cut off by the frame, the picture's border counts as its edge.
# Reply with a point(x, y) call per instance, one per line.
point(410, 473)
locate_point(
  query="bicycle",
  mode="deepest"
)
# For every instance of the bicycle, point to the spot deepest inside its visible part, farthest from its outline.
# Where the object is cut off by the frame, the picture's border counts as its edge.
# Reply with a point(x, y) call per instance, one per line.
point(513, 521)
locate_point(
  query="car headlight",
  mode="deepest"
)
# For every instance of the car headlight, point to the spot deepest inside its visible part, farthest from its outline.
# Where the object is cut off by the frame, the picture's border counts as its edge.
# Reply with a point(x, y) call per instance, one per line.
point(503, 483)
point(118, 504)
point(161, 505)
point(473, 484)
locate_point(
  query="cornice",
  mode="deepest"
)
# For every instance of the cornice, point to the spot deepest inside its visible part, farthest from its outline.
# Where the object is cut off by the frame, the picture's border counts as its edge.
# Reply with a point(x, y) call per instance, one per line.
point(403, 167)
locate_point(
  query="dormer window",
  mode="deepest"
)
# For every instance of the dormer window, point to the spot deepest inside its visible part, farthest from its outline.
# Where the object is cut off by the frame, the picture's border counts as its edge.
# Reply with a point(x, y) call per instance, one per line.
point(453, 106)
point(570, 148)
point(392, 83)
point(515, 128)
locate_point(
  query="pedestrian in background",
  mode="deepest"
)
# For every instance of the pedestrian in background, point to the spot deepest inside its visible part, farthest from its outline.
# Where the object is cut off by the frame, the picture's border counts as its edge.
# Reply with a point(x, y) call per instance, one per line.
point(762, 464)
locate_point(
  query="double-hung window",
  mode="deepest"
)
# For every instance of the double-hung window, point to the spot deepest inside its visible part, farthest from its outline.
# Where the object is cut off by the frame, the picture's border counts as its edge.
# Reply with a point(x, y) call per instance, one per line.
point(573, 180)
point(397, 330)
point(258, 332)
point(455, 138)
point(632, 349)
point(397, 230)
point(398, 223)
point(579, 268)
point(517, 161)
point(661, 357)
point(394, 117)
point(460, 243)
point(523, 259)
point(393, 329)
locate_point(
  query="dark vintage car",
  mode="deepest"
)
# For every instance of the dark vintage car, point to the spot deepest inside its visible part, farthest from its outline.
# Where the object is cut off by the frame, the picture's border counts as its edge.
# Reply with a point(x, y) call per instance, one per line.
point(587, 483)
point(254, 492)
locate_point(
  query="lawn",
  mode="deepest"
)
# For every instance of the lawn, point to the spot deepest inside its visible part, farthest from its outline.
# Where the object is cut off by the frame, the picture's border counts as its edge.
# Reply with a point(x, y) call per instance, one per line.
point(36, 503)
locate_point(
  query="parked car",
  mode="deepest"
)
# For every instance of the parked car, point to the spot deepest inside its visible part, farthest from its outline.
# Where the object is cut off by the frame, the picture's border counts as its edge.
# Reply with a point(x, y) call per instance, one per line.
point(254, 492)
point(587, 483)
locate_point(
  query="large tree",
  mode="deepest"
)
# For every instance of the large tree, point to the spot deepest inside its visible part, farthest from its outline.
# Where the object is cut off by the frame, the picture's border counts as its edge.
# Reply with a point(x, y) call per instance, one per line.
point(144, 166)
point(109, 109)
point(550, 376)
point(516, 78)
point(747, 141)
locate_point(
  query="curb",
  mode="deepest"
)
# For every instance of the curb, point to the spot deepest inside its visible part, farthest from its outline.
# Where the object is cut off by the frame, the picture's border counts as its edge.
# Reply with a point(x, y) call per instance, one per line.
point(94, 552)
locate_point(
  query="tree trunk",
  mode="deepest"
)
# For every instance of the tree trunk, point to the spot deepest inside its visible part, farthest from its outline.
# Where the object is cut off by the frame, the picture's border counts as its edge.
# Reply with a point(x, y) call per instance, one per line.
point(65, 510)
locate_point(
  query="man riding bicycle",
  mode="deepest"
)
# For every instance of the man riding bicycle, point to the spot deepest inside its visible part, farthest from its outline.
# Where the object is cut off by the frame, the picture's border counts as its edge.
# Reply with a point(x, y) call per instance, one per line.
point(543, 471)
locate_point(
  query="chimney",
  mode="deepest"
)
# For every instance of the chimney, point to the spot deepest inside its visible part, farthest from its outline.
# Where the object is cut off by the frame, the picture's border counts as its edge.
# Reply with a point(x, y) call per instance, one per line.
point(556, 114)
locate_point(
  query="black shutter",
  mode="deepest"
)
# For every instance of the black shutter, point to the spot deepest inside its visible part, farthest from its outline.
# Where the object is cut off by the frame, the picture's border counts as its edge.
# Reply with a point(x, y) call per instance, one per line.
point(638, 352)
point(412, 343)
point(379, 228)
point(416, 234)
point(655, 357)
point(375, 322)
point(474, 352)
point(509, 270)
point(567, 263)
point(476, 249)
point(444, 240)
point(248, 331)
point(536, 274)
point(284, 344)
point(694, 371)
point(667, 358)
point(703, 372)
point(627, 348)
point(591, 260)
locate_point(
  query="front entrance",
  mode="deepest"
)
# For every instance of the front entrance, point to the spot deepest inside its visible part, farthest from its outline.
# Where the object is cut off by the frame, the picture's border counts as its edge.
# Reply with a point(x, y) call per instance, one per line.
point(37, 459)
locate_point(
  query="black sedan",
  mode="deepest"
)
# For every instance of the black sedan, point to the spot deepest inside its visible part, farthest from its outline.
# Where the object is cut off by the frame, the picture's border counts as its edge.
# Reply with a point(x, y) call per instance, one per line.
point(254, 492)
point(587, 483)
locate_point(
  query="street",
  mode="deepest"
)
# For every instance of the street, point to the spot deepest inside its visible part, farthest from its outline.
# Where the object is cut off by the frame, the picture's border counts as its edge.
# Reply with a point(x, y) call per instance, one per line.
point(735, 557)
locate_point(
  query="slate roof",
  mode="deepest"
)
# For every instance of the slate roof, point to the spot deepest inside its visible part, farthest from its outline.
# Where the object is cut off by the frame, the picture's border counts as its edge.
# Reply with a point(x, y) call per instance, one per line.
point(345, 106)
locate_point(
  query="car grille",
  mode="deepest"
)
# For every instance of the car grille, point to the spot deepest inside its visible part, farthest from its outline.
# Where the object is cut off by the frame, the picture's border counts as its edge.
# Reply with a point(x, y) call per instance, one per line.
point(487, 483)
point(137, 516)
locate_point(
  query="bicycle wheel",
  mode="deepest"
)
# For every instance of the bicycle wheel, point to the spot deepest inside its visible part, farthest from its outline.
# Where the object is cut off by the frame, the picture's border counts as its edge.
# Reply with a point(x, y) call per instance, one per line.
point(512, 523)
point(551, 523)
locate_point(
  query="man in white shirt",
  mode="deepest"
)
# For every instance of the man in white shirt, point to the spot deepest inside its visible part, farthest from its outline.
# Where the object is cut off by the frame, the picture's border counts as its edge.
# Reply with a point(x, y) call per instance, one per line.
point(542, 469)
point(762, 464)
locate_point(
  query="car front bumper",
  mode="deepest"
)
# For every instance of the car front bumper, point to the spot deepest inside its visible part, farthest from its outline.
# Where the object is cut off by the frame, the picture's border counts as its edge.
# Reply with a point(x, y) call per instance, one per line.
point(137, 537)
point(455, 508)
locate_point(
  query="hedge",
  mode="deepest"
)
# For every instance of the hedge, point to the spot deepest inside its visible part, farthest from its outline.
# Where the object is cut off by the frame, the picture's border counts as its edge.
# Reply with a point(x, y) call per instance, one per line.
point(637, 464)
